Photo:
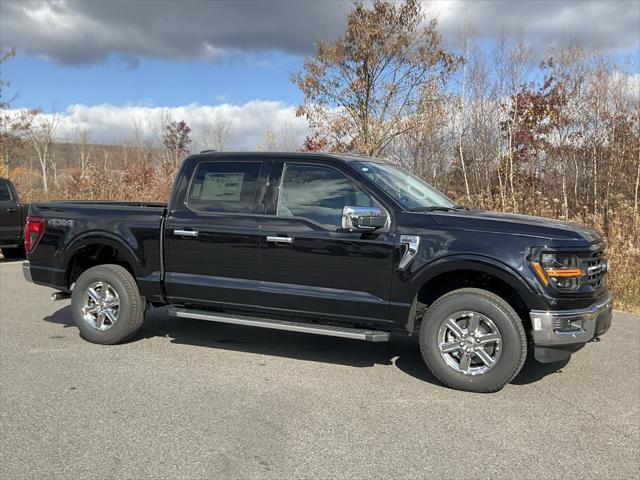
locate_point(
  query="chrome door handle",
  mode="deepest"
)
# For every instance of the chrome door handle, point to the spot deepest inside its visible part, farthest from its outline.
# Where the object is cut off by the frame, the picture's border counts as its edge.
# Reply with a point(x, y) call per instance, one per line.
point(275, 239)
point(12, 209)
point(185, 233)
point(411, 243)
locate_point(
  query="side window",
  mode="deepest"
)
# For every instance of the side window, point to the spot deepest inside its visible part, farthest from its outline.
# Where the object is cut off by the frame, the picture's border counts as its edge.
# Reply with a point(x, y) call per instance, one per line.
point(5, 193)
point(224, 187)
point(319, 194)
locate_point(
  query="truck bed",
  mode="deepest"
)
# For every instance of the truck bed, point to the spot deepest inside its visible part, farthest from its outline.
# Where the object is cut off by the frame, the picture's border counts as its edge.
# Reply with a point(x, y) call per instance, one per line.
point(132, 229)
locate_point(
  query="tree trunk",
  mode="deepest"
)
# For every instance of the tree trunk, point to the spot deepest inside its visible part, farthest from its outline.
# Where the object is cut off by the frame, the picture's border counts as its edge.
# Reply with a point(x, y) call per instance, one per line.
point(635, 200)
point(45, 185)
point(564, 192)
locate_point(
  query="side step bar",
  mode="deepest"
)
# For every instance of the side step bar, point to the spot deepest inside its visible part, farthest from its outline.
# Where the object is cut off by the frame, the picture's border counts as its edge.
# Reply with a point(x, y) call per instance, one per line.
point(329, 330)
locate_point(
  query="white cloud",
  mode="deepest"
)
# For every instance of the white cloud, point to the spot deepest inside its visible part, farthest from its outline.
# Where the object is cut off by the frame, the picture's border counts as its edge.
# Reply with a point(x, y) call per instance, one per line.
point(85, 32)
point(248, 123)
point(612, 25)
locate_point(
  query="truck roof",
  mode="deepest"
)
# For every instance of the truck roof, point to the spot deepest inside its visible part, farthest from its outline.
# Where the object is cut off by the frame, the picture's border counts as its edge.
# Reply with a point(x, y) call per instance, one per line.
point(347, 158)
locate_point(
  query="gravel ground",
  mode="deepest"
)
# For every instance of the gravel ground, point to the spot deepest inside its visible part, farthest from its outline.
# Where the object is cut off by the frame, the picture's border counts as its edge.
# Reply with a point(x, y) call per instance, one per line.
point(190, 399)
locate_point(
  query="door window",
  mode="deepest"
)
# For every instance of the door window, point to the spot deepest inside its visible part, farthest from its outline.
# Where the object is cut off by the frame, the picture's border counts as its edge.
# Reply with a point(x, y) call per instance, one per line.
point(319, 194)
point(5, 193)
point(224, 187)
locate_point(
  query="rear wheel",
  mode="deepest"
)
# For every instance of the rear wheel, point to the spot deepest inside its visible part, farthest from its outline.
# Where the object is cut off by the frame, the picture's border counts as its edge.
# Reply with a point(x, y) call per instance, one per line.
point(472, 339)
point(106, 305)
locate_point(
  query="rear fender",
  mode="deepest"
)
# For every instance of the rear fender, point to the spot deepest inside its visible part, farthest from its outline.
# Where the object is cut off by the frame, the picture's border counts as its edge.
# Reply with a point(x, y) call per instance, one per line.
point(101, 238)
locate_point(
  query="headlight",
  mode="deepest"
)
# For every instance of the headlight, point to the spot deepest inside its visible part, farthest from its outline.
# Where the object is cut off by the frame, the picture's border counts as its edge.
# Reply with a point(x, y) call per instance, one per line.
point(559, 270)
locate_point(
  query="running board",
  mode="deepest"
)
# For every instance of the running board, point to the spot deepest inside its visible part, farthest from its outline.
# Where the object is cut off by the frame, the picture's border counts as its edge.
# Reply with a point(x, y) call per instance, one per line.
point(329, 330)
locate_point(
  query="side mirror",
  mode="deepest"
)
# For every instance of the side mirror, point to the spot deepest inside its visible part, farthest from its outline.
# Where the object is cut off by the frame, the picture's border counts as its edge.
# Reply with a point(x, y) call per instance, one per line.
point(363, 218)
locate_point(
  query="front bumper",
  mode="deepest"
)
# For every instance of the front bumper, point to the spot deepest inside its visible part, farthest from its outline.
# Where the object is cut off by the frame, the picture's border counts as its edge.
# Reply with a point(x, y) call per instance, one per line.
point(569, 327)
point(26, 271)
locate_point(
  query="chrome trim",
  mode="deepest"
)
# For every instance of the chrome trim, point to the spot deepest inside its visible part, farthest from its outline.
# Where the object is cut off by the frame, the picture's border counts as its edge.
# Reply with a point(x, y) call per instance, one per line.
point(356, 218)
point(412, 243)
point(26, 271)
point(276, 239)
point(558, 327)
point(291, 326)
point(469, 342)
point(60, 296)
point(100, 306)
point(185, 233)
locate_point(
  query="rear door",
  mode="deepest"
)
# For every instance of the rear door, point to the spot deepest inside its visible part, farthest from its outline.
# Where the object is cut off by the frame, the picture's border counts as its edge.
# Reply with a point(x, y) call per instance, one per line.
point(310, 265)
point(211, 240)
point(10, 221)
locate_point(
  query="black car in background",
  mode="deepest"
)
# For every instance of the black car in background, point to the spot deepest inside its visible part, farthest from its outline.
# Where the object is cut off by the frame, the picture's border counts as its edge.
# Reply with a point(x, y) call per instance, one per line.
point(12, 220)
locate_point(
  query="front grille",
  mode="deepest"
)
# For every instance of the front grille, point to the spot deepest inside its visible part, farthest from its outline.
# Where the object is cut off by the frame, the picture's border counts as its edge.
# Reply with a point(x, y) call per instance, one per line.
point(596, 267)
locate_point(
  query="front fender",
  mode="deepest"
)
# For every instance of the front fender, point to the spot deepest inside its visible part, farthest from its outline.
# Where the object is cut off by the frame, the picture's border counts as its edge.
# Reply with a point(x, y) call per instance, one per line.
point(487, 265)
point(491, 266)
point(407, 284)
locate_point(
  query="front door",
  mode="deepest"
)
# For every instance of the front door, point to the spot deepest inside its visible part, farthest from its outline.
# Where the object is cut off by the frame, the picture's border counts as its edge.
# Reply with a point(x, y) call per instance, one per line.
point(309, 264)
point(211, 241)
point(10, 223)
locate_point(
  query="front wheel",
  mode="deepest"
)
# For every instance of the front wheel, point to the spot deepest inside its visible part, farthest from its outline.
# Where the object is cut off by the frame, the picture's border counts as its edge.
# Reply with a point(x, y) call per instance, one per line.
point(106, 305)
point(473, 340)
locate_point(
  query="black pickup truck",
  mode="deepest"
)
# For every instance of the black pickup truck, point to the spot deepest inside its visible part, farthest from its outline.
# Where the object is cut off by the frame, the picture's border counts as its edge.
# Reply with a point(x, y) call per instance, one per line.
point(334, 245)
point(12, 220)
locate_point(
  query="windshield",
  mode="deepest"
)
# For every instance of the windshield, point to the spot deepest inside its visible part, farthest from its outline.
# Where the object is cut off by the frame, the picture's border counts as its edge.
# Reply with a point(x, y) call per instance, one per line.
point(408, 190)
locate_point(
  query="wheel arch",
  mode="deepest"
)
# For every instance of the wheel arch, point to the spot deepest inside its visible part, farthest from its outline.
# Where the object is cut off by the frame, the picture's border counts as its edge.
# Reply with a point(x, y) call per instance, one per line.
point(452, 273)
point(98, 248)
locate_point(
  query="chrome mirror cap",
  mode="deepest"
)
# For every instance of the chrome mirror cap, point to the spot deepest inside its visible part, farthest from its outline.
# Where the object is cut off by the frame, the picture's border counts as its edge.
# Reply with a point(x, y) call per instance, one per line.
point(362, 218)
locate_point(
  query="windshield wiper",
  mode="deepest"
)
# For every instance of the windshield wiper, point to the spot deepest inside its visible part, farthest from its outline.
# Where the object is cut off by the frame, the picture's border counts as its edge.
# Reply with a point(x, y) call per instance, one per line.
point(438, 208)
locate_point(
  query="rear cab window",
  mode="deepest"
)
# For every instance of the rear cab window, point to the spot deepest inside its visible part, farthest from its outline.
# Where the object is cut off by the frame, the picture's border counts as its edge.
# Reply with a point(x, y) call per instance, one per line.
point(5, 191)
point(224, 187)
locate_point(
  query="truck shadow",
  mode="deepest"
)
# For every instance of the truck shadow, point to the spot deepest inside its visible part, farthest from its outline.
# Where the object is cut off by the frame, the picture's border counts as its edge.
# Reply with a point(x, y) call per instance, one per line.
point(402, 352)
point(11, 260)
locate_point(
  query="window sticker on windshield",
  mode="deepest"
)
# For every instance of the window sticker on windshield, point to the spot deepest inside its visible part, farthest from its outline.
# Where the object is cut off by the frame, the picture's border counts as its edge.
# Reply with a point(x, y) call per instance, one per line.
point(224, 187)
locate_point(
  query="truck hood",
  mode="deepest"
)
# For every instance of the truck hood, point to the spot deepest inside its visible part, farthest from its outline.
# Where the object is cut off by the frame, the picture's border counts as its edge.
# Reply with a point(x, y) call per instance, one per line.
point(510, 224)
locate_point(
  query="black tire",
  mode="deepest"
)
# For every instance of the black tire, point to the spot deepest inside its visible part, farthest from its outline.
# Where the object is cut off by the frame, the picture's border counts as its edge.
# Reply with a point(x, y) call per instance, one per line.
point(13, 252)
point(513, 342)
point(130, 310)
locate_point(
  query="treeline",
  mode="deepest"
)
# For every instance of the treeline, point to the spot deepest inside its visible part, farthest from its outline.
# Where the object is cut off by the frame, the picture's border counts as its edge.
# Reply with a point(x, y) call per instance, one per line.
point(496, 125)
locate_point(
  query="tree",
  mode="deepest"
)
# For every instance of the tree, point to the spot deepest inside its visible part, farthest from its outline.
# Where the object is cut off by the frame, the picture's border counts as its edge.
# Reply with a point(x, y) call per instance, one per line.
point(314, 143)
point(42, 137)
point(176, 141)
point(364, 89)
point(12, 126)
point(84, 149)
point(219, 133)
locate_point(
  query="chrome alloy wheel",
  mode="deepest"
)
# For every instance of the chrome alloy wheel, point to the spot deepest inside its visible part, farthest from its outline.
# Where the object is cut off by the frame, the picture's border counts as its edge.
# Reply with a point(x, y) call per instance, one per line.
point(469, 342)
point(100, 306)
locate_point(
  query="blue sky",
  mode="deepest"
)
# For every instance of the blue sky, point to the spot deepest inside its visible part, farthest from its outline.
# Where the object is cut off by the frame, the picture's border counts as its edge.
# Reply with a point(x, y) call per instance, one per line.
point(156, 82)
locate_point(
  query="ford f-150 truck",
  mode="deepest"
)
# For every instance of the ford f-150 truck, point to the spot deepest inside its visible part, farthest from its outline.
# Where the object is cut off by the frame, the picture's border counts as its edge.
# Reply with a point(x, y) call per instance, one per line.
point(12, 220)
point(335, 245)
